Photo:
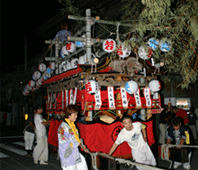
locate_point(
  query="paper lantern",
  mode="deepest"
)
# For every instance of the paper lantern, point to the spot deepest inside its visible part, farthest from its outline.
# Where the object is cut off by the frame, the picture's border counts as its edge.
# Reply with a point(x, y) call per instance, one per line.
point(145, 53)
point(81, 60)
point(42, 67)
point(123, 51)
point(44, 76)
point(31, 83)
point(74, 63)
point(52, 66)
point(153, 43)
point(154, 85)
point(165, 45)
point(64, 51)
point(70, 47)
point(92, 87)
point(131, 87)
point(36, 75)
point(109, 45)
point(79, 44)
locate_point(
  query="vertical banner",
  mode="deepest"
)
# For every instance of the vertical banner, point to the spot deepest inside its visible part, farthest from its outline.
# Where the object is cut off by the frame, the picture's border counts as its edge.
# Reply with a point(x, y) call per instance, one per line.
point(124, 97)
point(63, 100)
point(111, 97)
point(147, 95)
point(71, 97)
point(66, 98)
point(75, 94)
point(137, 98)
point(98, 101)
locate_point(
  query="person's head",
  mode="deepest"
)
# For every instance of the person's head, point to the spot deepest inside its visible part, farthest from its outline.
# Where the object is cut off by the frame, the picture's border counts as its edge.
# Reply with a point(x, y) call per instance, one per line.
point(127, 122)
point(177, 123)
point(71, 112)
point(39, 109)
point(64, 25)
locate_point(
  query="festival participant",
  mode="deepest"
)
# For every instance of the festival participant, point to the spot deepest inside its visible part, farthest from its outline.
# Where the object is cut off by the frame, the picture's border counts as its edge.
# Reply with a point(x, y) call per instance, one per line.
point(40, 152)
point(135, 135)
point(63, 34)
point(68, 142)
point(178, 134)
point(182, 114)
point(192, 122)
point(29, 133)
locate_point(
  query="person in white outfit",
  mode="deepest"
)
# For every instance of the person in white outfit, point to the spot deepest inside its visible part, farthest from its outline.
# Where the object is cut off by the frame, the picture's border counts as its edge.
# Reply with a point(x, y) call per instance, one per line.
point(40, 152)
point(135, 135)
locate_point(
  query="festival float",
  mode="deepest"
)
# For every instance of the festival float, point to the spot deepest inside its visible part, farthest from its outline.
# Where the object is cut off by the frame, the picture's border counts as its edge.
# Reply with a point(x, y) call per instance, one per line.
point(119, 79)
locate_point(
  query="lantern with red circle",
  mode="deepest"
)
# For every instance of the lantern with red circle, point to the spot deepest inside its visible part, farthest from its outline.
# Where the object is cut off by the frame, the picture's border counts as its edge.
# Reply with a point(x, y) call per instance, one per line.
point(70, 47)
point(31, 83)
point(92, 87)
point(123, 51)
point(145, 53)
point(109, 45)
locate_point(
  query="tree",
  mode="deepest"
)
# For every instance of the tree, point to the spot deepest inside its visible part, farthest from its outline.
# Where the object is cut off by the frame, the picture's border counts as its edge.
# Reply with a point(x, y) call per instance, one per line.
point(174, 21)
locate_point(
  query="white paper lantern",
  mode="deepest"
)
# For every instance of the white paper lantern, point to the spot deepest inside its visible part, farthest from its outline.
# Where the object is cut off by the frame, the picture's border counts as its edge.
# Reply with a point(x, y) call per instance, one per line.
point(70, 47)
point(31, 83)
point(74, 63)
point(154, 85)
point(109, 45)
point(42, 67)
point(165, 45)
point(145, 53)
point(131, 87)
point(81, 60)
point(36, 75)
point(153, 43)
point(64, 51)
point(123, 51)
point(52, 66)
point(92, 87)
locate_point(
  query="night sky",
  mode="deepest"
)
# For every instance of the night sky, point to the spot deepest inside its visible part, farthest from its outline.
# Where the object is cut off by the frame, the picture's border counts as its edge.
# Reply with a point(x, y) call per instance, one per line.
point(20, 18)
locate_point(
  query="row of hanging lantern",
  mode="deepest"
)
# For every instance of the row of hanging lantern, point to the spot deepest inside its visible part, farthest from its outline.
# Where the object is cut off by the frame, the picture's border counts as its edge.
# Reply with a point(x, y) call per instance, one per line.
point(42, 74)
point(131, 87)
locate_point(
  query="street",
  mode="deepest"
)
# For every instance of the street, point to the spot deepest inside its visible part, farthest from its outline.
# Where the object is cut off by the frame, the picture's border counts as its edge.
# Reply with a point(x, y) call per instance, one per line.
point(14, 157)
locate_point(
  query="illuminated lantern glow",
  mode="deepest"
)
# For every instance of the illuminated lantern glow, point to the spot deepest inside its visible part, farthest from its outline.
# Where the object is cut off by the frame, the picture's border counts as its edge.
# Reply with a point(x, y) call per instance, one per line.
point(70, 47)
point(31, 83)
point(64, 51)
point(123, 52)
point(165, 45)
point(131, 87)
point(145, 53)
point(36, 75)
point(74, 63)
point(153, 43)
point(92, 87)
point(154, 85)
point(109, 45)
point(42, 67)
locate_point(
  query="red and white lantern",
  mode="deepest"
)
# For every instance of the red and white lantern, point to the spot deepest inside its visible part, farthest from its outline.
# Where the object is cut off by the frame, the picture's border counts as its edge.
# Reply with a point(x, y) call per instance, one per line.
point(91, 86)
point(145, 53)
point(31, 83)
point(70, 47)
point(42, 67)
point(109, 45)
point(64, 51)
point(123, 51)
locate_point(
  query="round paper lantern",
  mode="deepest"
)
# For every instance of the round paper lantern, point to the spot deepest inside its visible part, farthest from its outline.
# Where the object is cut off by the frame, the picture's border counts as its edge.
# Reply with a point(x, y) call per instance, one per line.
point(123, 52)
point(81, 60)
point(91, 86)
point(145, 53)
point(109, 45)
point(36, 75)
point(31, 83)
point(154, 85)
point(74, 63)
point(131, 87)
point(64, 51)
point(165, 45)
point(42, 67)
point(68, 66)
point(52, 66)
point(70, 47)
point(153, 43)
point(44, 76)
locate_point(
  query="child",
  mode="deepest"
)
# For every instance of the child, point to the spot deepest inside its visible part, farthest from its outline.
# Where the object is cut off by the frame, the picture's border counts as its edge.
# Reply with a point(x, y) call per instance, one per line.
point(135, 135)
